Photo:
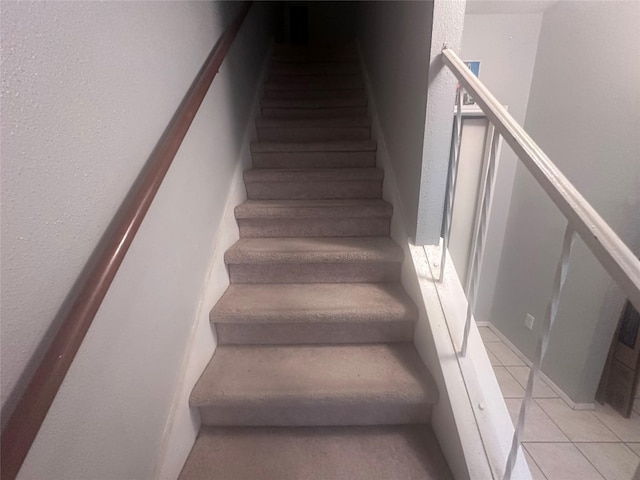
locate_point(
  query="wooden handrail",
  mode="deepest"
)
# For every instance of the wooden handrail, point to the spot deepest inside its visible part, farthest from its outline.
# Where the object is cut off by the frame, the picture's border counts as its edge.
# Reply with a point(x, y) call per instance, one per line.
point(32, 407)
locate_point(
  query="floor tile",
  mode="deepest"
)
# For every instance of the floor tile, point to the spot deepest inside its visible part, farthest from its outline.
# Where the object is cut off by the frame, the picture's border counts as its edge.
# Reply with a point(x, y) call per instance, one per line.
point(504, 354)
point(540, 389)
point(615, 461)
point(538, 426)
point(509, 386)
point(494, 360)
point(487, 335)
point(536, 473)
point(635, 447)
point(628, 429)
point(562, 461)
point(578, 425)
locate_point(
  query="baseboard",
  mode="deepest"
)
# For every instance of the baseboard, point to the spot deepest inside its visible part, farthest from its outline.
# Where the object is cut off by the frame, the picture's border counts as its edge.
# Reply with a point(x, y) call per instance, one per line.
point(183, 422)
point(557, 390)
point(444, 424)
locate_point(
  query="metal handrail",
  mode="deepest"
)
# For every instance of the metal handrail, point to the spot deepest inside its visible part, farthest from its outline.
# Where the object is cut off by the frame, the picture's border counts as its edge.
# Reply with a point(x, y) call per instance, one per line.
point(32, 407)
point(616, 258)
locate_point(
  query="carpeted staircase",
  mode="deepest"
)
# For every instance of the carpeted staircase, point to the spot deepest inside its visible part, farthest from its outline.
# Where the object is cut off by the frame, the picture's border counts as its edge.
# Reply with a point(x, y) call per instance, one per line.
point(315, 375)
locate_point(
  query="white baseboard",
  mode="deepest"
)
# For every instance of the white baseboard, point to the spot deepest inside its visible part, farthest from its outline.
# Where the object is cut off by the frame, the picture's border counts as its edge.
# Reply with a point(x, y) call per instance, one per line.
point(183, 422)
point(558, 391)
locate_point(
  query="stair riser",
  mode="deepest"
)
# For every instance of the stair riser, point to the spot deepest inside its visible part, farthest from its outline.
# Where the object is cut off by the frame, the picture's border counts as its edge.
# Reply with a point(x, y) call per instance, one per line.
point(283, 134)
point(309, 84)
point(329, 57)
point(313, 227)
point(314, 190)
point(315, 413)
point(325, 272)
point(314, 333)
point(314, 112)
point(315, 103)
point(314, 159)
point(314, 69)
point(314, 94)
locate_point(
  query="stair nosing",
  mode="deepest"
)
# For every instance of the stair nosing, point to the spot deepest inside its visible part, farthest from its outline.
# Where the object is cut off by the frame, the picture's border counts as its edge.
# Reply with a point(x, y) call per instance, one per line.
point(385, 252)
point(297, 209)
point(311, 175)
point(328, 146)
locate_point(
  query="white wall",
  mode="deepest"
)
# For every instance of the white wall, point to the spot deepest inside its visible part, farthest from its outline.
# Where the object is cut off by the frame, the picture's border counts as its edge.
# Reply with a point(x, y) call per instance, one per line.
point(395, 42)
point(584, 111)
point(87, 90)
point(505, 45)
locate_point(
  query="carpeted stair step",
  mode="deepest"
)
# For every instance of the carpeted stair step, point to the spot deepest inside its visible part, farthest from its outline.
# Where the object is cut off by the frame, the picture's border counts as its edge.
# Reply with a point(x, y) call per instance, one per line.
point(395, 452)
point(313, 184)
point(309, 385)
point(314, 218)
point(337, 154)
point(334, 94)
point(313, 55)
point(313, 129)
point(316, 313)
point(344, 102)
point(315, 112)
point(306, 68)
point(314, 260)
point(316, 82)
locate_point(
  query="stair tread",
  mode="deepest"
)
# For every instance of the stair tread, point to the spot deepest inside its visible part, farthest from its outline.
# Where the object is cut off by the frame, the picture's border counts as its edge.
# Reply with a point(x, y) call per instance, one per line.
point(310, 249)
point(318, 77)
point(319, 302)
point(326, 146)
point(316, 453)
point(360, 208)
point(314, 103)
point(314, 68)
point(354, 95)
point(314, 374)
point(325, 82)
point(313, 174)
point(346, 122)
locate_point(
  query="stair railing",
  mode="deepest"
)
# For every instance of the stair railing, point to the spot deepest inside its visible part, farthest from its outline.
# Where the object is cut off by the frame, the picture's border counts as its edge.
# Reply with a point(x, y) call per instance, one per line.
point(32, 407)
point(616, 258)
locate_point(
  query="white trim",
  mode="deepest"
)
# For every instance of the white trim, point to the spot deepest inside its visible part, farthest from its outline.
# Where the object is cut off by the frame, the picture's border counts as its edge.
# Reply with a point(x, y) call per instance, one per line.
point(448, 305)
point(183, 422)
point(453, 420)
point(557, 390)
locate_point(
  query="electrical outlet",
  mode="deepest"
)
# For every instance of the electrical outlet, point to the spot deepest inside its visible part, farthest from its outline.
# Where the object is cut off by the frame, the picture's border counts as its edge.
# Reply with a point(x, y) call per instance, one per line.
point(528, 321)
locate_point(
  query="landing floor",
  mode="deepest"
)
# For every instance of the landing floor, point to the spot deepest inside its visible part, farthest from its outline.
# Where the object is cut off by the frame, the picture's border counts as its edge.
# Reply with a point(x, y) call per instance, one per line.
point(561, 443)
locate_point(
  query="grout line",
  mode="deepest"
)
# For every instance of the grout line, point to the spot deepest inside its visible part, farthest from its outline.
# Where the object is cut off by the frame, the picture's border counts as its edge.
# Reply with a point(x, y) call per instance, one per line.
point(575, 444)
point(590, 462)
point(585, 411)
point(533, 459)
point(570, 403)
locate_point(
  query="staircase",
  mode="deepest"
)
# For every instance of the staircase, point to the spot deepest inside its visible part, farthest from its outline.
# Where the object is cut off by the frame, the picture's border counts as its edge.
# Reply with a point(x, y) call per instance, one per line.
point(315, 375)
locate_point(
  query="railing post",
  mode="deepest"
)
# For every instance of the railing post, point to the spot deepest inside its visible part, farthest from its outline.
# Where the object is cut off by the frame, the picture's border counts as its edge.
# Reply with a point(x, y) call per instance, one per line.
point(549, 320)
point(477, 248)
point(452, 180)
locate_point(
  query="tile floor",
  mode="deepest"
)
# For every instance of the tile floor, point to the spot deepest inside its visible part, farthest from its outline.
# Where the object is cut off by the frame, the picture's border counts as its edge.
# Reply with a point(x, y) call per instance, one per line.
point(561, 443)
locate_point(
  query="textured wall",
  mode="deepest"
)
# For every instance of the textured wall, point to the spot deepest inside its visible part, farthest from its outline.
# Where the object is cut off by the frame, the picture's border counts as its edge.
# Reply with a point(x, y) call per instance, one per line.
point(448, 23)
point(395, 42)
point(87, 90)
point(584, 111)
